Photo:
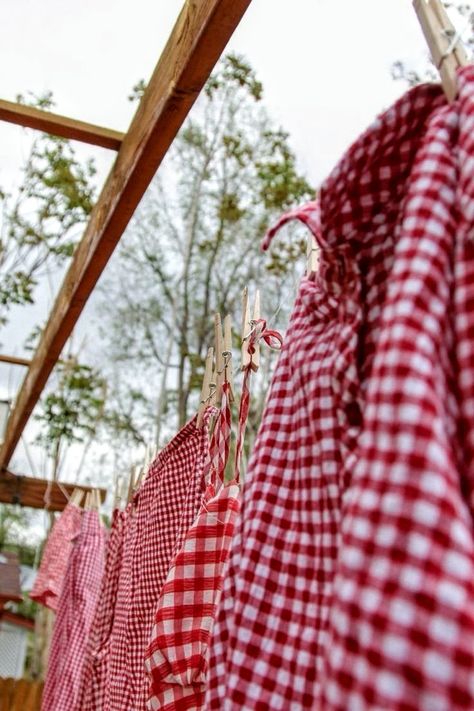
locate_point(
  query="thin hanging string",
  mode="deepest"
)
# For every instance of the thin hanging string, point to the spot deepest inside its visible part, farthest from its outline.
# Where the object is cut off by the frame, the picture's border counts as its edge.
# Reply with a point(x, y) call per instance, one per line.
point(273, 339)
point(64, 491)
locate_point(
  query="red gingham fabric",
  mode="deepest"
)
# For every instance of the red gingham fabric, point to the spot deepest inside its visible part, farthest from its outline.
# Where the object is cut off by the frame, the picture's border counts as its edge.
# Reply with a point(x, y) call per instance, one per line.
point(163, 510)
point(94, 676)
point(177, 655)
point(220, 440)
point(309, 214)
point(50, 577)
point(74, 617)
point(351, 579)
point(176, 658)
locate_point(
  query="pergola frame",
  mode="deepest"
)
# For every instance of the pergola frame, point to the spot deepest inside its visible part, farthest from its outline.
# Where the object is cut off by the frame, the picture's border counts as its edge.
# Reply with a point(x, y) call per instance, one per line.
point(197, 40)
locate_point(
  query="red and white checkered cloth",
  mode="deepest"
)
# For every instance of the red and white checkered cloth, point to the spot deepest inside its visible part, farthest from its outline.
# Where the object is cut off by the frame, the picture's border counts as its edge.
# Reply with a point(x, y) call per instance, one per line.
point(94, 676)
point(76, 609)
point(176, 658)
point(164, 508)
point(351, 580)
point(220, 439)
point(50, 577)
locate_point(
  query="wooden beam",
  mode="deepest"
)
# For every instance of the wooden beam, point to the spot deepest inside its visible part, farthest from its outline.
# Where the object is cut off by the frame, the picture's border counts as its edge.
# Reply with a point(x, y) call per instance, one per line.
point(200, 35)
point(15, 619)
point(29, 491)
point(14, 360)
point(60, 125)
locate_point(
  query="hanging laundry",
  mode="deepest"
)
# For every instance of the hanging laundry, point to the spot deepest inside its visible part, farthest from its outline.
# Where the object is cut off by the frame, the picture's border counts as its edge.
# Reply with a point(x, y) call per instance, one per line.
point(51, 573)
point(94, 677)
point(351, 579)
point(163, 510)
point(75, 614)
point(176, 657)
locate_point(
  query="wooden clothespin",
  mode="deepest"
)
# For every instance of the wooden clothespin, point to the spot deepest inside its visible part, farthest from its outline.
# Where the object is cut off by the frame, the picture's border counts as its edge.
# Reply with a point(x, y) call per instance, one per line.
point(311, 255)
point(142, 471)
point(223, 356)
point(219, 357)
point(131, 484)
point(124, 491)
point(94, 500)
point(87, 503)
point(247, 325)
point(208, 387)
point(98, 502)
point(444, 43)
point(117, 491)
point(76, 497)
point(227, 355)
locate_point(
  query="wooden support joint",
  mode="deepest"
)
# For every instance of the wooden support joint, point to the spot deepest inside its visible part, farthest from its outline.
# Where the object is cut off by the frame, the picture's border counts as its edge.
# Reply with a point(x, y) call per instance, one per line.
point(57, 125)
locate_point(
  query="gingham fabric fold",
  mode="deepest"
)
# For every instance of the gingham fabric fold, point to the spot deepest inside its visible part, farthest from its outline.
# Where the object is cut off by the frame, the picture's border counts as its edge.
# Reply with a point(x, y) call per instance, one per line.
point(351, 579)
point(177, 655)
point(76, 609)
point(163, 510)
point(220, 439)
point(94, 676)
point(50, 577)
point(176, 658)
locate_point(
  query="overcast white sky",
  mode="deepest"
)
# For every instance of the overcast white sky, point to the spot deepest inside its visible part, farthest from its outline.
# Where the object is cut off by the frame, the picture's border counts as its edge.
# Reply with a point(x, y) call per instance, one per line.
point(325, 67)
point(325, 64)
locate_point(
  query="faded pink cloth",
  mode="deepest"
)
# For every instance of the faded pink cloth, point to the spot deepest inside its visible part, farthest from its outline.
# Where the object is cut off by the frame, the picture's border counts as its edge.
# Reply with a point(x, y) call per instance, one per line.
point(50, 578)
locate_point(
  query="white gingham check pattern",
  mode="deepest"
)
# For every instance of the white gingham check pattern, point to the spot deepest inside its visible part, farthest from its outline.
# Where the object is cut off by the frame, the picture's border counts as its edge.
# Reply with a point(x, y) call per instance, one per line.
point(50, 577)
point(351, 581)
point(164, 508)
point(94, 676)
point(76, 608)
point(177, 655)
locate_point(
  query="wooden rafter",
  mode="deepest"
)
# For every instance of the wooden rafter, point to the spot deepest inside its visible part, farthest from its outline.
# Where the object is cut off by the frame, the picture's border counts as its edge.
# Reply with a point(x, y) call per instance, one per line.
point(60, 125)
point(197, 40)
point(30, 491)
point(15, 360)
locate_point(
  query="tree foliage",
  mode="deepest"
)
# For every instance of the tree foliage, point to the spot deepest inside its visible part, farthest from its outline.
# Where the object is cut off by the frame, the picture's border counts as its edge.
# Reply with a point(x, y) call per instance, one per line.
point(194, 242)
point(41, 223)
point(72, 410)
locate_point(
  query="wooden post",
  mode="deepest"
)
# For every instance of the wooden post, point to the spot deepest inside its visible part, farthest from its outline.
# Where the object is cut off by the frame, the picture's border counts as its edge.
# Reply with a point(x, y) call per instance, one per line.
point(199, 36)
